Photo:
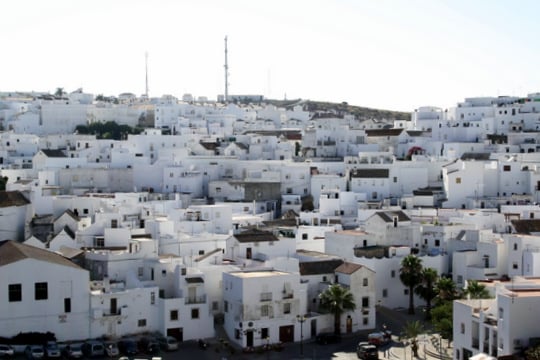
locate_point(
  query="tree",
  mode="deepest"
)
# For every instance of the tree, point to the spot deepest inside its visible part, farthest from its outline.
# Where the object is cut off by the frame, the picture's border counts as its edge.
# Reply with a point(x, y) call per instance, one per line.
point(533, 353)
point(426, 289)
point(337, 300)
point(411, 330)
point(410, 275)
point(442, 319)
point(59, 92)
point(475, 290)
point(446, 289)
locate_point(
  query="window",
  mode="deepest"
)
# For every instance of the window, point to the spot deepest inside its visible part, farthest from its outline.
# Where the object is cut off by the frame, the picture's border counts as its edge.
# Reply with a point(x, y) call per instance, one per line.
point(365, 320)
point(287, 308)
point(460, 279)
point(215, 306)
point(183, 271)
point(218, 189)
point(385, 293)
point(506, 168)
point(462, 327)
point(152, 298)
point(365, 302)
point(265, 310)
point(15, 292)
point(405, 291)
point(67, 305)
point(393, 273)
point(304, 236)
point(264, 333)
point(289, 190)
point(458, 180)
point(141, 323)
point(437, 242)
point(515, 247)
point(163, 272)
point(40, 291)
point(226, 306)
point(515, 265)
point(395, 179)
point(85, 211)
point(195, 313)
point(173, 315)
point(140, 271)
point(365, 282)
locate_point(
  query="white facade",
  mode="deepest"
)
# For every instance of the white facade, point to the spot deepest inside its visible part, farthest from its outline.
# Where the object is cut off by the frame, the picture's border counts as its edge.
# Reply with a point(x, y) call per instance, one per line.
point(53, 297)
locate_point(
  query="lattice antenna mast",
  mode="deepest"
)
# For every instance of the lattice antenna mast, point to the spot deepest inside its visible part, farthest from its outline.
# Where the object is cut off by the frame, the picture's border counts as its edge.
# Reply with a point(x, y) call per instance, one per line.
point(146, 73)
point(226, 66)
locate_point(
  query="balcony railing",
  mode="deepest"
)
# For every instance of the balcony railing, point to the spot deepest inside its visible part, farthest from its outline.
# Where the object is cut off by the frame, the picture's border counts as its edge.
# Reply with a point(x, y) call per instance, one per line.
point(196, 299)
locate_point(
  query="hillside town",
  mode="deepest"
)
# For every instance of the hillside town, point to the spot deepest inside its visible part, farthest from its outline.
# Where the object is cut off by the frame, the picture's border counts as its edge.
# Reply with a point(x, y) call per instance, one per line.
point(237, 214)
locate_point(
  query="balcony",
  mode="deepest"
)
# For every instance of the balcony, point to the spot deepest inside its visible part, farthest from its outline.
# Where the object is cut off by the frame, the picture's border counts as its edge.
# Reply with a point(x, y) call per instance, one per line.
point(196, 300)
point(288, 295)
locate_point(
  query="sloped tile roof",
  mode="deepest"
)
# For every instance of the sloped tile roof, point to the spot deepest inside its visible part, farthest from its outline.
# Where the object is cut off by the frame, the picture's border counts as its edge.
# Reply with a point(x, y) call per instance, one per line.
point(526, 226)
point(255, 235)
point(12, 198)
point(370, 173)
point(348, 268)
point(319, 267)
point(475, 156)
point(388, 216)
point(383, 132)
point(12, 251)
point(53, 153)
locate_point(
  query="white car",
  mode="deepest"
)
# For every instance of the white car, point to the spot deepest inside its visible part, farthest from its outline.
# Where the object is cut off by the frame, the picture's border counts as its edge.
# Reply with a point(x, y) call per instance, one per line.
point(52, 350)
point(6, 351)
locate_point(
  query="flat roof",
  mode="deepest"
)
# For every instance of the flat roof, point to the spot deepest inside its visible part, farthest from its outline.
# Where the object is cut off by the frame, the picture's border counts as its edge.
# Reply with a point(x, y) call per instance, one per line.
point(258, 274)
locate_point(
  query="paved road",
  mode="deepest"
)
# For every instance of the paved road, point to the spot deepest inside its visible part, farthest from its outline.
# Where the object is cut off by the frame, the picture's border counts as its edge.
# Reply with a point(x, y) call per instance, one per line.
point(346, 350)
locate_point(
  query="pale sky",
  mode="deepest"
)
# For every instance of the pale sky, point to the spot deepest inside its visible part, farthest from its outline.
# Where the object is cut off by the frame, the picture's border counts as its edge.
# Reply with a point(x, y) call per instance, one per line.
point(396, 55)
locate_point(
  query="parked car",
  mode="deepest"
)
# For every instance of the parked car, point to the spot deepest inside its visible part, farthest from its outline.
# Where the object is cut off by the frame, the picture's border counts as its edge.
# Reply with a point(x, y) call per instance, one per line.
point(72, 351)
point(168, 343)
point(93, 348)
point(128, 347)
point(34, 352)
point(111, 348)
point(51, 350)
point(149, 345)
point(379, 338)
point(367, 351)
point(6, 351)
point(328, 338)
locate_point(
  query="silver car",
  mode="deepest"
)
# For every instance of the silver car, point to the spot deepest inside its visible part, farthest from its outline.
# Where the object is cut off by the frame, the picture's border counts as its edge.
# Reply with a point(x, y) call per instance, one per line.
point(34, 352)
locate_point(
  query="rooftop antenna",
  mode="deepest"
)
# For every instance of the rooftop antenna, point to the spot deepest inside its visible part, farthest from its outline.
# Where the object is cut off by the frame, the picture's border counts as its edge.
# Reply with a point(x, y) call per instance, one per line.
point(146, 72)
point(226, 73)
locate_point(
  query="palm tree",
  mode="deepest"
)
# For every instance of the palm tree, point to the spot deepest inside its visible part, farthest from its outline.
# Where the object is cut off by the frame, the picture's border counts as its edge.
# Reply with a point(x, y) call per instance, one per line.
point(410, 275)
point(426, 289)
point(411, 330)
point(59, 92)
point(446, 289)
point(475, 290)
point(337, 300)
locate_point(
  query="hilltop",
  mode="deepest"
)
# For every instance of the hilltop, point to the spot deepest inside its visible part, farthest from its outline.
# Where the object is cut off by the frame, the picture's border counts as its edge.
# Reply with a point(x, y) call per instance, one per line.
point(340, 109)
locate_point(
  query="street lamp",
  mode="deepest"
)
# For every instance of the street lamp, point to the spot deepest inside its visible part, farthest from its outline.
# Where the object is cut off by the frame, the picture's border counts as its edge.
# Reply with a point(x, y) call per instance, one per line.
point(301, 319)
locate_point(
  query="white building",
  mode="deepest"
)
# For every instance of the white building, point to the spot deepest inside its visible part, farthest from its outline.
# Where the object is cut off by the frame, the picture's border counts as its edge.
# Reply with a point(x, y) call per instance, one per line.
point(54, 296)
